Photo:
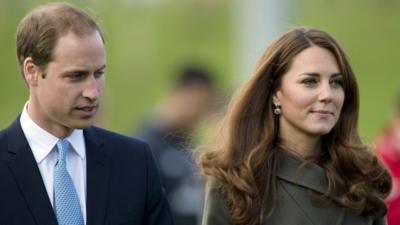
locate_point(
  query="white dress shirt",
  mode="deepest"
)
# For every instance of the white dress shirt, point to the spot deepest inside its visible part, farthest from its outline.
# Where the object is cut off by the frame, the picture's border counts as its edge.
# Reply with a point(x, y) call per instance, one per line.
point(43, 144)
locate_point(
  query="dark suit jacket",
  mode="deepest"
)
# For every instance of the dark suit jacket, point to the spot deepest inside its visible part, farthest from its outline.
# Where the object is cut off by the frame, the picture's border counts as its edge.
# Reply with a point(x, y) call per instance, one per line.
point(123, 185)
point(296, 205)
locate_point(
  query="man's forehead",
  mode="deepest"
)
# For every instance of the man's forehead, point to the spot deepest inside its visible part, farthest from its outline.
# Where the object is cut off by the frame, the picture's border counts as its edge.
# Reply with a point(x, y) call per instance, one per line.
point(83, 52)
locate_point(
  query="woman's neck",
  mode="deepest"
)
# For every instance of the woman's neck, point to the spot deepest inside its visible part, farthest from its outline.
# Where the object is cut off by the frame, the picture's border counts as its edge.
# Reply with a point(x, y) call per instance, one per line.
point(305, 146)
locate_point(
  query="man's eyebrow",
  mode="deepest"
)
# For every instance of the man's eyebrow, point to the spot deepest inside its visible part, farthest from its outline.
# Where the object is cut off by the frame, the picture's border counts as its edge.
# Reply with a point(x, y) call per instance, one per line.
point(70, 72)
point(81, 71)
point(103, 67)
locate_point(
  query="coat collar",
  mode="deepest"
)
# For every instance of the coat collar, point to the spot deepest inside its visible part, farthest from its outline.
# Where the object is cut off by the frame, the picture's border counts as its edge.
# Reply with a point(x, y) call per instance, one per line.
point(296, 170)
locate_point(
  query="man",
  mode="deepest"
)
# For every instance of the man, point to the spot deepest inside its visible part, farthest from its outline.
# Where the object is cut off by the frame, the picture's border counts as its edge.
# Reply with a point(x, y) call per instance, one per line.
point(56, 168)
point(169, 131)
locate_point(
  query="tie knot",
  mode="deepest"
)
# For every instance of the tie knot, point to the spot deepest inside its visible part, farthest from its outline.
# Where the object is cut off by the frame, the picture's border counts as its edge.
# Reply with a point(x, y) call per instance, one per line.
point(62, 146)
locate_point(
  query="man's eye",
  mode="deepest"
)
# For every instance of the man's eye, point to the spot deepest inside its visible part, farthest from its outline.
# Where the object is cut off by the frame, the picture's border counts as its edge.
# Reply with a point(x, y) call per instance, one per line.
point(99, 74)
point(76, 76)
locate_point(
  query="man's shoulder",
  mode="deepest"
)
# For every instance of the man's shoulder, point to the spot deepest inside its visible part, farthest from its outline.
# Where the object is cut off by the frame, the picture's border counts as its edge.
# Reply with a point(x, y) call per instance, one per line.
point(3, 134)
point(109, 135)
point(123, 150)
point(116, 142)
point(3, 131)
point(13, 129)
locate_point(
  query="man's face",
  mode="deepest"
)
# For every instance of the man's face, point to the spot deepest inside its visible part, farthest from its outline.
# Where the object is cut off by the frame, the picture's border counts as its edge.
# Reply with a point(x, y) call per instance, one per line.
point(69, 93)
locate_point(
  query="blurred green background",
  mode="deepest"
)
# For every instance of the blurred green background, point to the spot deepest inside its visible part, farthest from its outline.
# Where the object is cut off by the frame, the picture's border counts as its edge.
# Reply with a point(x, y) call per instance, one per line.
point(148, 40)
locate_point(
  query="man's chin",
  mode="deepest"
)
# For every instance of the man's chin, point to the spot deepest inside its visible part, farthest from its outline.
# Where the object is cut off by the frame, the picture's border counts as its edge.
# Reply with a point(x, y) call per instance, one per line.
point(83, 124)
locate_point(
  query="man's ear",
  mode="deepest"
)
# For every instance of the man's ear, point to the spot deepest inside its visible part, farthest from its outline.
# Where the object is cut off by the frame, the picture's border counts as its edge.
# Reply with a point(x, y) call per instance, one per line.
point(31, 71)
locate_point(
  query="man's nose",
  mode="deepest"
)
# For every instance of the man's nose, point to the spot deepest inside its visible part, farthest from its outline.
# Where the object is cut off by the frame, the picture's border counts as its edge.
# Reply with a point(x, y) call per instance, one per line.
point(92, 88)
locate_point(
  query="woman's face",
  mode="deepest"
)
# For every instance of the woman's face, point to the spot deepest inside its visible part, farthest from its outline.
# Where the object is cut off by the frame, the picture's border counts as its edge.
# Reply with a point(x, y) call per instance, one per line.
point(311, 95)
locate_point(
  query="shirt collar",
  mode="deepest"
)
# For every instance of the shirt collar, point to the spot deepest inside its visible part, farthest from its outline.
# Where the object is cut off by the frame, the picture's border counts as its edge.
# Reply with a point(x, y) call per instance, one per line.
point(42, 142)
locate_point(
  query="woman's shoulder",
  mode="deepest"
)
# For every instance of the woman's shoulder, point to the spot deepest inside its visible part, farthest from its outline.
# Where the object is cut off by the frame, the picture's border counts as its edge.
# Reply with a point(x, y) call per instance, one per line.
point(213, 184)
point(215, 209)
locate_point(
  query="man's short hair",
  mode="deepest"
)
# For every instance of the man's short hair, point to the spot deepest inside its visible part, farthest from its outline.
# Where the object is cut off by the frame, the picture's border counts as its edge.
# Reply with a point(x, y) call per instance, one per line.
point(38, 31)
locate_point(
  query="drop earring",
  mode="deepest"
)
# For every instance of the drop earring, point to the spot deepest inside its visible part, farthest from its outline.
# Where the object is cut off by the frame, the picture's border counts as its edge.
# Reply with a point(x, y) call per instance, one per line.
point(277, 110)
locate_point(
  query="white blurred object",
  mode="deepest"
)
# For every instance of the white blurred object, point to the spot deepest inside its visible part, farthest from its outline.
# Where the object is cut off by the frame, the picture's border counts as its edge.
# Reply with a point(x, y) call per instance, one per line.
point(257, 23)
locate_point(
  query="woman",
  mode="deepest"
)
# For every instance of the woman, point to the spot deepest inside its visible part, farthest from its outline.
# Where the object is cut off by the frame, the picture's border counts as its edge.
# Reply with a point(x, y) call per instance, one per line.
point(289, 151)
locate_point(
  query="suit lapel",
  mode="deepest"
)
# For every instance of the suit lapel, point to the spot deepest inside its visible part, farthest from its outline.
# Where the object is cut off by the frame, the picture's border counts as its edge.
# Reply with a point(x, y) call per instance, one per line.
point(27, 175)
point(98, 173)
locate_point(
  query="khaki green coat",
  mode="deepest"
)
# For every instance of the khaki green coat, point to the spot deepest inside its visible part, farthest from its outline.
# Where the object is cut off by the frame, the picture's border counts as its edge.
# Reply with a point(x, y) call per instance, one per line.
point(296, 206)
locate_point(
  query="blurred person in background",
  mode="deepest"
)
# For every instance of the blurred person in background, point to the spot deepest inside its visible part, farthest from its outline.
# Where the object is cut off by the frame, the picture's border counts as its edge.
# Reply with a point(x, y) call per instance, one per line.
point(289, 151)
point(55, 166)
point(388, 149)
point(169, 132)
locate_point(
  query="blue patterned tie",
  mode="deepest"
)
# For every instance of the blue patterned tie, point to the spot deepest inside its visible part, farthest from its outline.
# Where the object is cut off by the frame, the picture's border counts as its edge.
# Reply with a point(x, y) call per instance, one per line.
point(66, 201)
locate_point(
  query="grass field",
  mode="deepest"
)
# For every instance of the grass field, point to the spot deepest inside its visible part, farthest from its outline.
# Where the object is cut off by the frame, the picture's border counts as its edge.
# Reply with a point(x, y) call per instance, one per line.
point(148, 40)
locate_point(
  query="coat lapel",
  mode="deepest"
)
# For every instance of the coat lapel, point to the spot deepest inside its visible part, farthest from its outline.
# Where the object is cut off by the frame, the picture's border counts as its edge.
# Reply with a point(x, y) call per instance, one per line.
point(308, 175)
point(302, 182)
point(27, 175)
point(98, 174)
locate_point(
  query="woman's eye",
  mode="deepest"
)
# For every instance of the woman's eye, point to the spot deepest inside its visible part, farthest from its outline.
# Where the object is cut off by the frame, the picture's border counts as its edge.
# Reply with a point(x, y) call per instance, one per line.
point(309, 82)
point(336, 83)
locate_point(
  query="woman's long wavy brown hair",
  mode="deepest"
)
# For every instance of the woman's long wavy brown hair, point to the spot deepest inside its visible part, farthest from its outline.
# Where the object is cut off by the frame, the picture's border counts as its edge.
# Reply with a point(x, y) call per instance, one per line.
point(243, 159)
